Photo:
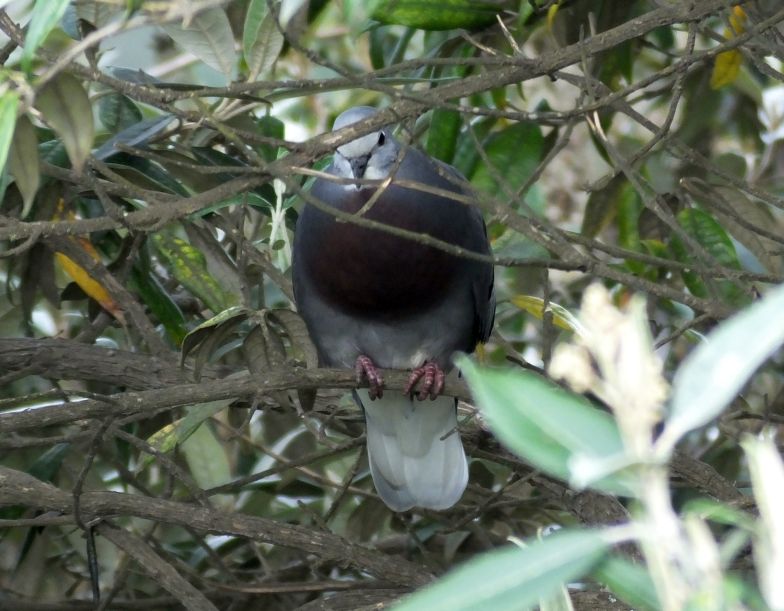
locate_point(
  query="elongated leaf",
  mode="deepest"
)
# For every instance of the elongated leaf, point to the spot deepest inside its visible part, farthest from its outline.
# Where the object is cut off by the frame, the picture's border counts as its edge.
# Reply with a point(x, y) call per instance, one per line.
point(513, 154)
point(206, 458)
point(209, 37)
point(64, 104)
point(160, 303)
point(190, 268)
point(709, 233)
point(548, 426)
point(513, 578)
point(437, 14)
point(88, 284)
point(23, 162)
point(767, 477)
point(176, 433)
point(136, 135)
point(262, 40)
point(629, 582)
point(713, 374)
point(562, 318)
point(443, 133)
point(43, 20)
point(205, 329)
point(8, 104)
point(118, 112)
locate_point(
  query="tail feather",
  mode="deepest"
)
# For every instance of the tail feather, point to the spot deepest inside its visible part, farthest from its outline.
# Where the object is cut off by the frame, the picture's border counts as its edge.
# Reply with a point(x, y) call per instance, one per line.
point(416, 456)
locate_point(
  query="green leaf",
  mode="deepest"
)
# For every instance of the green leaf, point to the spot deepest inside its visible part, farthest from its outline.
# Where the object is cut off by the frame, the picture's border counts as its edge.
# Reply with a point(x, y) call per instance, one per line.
point(8, 105)
point(555, 430)
point(170, 436)
point(512, 156)
point(160, 303)
point(207, 328)
point(715, 372)
point(190, 268)
point(513, 578)
point(117, 112)
point(206, 458)
point(135, 135)
point(23, 162)
point(72, 121)
point(44, 18)
point(443, 133)
point(209, 37)
point(262, 40)
point(629, 582)
point(709, 233)
point(270, 127)
point(438, 14)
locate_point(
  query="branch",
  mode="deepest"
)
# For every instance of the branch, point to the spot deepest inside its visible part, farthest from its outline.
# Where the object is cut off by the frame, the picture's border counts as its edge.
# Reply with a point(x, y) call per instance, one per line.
point(17, 488)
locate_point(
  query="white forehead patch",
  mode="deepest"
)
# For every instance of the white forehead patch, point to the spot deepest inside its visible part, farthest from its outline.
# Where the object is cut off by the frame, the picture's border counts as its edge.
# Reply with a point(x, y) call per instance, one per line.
point(360, 146)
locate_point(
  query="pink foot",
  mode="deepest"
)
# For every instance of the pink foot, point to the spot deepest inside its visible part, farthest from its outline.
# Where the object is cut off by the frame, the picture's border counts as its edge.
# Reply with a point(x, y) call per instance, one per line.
point(365, 368)
point(432, 385)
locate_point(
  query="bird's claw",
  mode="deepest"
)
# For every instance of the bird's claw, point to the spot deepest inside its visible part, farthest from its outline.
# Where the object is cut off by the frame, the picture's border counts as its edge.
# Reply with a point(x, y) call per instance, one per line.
point(432, 385)
point(365, 368)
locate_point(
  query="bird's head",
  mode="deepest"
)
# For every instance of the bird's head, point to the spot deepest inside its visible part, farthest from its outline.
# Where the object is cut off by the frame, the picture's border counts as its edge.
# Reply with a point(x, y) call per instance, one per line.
point(371, 156)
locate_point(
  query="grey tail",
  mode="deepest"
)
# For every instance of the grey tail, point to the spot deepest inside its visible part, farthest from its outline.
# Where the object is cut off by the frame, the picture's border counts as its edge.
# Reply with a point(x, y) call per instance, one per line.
point(416, 456)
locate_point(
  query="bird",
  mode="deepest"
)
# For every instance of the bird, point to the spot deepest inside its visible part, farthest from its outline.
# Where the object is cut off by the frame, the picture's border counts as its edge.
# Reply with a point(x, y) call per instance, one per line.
point(371, 299)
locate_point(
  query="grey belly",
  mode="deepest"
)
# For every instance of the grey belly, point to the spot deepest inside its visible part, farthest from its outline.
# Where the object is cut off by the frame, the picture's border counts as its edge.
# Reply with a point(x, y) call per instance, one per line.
point(433, 335)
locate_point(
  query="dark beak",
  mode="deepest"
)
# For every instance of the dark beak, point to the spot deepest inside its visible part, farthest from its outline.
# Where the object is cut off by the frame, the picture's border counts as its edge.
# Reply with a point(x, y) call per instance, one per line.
point(359, 165)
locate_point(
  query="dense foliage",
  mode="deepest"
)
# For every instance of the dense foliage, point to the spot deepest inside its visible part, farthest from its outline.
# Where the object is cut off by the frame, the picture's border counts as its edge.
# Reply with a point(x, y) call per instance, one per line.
point(167, 437)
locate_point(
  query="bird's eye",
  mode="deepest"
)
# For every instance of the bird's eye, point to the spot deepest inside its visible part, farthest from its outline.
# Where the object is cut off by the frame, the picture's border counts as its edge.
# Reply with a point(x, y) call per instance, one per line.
point(381, 138)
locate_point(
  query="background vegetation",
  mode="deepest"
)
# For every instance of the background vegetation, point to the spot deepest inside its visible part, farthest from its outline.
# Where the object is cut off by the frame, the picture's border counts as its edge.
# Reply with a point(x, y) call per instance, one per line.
point(627, 156)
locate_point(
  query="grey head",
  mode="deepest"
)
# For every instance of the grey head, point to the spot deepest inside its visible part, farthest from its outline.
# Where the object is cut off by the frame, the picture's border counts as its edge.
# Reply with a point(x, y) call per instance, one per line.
point(369, 157)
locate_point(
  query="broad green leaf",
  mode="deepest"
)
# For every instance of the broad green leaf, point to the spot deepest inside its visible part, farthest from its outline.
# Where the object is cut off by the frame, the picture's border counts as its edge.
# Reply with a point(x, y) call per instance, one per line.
point(602, 206)
point(118, 112)
point(562, 318)
point(262, 40)
point(716, 370)
point(512, 578)
point(629, 582)
point(553, 429)
point(206, 458)
point(160, 303)
point(8, 105)
point(443, 133)
point(709, 233)
point(190, 268)
point(209, 37)
point(512, 155)
point(72, 121)
point(270, 127)
point(43, 20)
point(437, 14)
point(23, 162)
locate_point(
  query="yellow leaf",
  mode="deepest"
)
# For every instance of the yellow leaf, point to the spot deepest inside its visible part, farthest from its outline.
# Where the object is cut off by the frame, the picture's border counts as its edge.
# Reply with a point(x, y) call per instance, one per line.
point(738, 20)
point(726, 68)
point(78, 274)
point(90, 286)
point(551, 15)
point(727, 65)
point(562, 318)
